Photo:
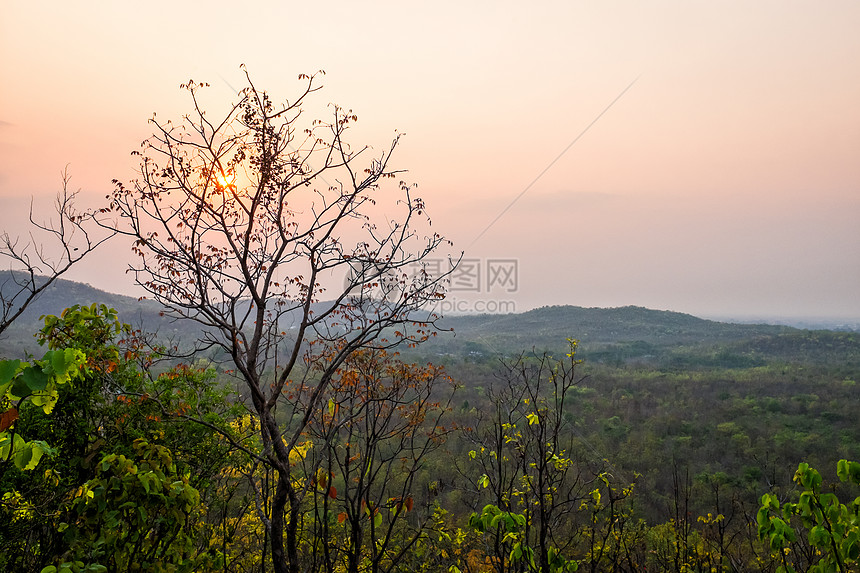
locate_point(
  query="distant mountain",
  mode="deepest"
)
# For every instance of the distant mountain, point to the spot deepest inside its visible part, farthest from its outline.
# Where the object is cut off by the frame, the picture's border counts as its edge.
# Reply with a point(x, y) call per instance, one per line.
point(63, 293)
point(639, 335)
point(544, 325)
point(625, 335)
point(19, 338)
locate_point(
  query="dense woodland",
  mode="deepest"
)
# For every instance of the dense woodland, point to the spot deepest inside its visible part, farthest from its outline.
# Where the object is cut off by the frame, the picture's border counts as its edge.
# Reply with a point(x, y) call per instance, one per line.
point(651, 451)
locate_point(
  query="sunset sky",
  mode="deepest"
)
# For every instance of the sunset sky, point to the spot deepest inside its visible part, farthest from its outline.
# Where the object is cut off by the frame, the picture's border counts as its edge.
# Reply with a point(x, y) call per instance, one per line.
point(725, 182)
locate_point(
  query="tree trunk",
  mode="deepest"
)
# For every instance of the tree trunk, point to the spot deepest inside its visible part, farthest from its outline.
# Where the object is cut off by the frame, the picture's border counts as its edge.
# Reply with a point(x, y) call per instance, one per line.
point(293, 529)
point(279, 504)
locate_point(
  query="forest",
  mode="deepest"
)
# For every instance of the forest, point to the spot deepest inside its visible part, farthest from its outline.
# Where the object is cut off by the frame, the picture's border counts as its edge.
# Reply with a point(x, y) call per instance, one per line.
point(248, 417)
point(537, 460)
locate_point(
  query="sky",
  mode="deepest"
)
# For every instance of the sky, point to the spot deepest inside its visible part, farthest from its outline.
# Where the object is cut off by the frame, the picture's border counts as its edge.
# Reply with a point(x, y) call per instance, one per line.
point(702, 157)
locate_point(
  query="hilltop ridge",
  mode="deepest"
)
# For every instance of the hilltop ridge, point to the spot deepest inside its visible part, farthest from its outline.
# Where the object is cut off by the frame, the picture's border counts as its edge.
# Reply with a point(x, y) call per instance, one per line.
point(618, 335)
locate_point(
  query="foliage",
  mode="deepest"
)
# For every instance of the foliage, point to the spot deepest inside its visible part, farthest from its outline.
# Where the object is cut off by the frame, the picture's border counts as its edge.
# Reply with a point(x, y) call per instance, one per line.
point(832, 527)
point(92, 329)
point(708, 442)
point(408, 511)
point(37, 383)
point(134, 515)
point(514, 530)
point(111, 409)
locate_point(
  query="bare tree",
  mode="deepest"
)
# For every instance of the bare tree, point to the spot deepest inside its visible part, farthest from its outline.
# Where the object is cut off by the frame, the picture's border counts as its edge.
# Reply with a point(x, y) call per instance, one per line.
point(50, 249)
point(369, 442)
point(241, 223)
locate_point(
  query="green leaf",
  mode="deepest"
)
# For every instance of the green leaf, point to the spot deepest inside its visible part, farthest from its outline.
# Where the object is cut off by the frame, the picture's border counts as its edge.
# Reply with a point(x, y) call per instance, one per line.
point(520, 519)
point(28, 454)
point(776, 542)
point(848, 471)
point(851, 547)
point(47, 400)
point(476, 523)
point(808, 477)
point(5, 445)
point(36, 379)
point(842, 470)
point(144, 480)
point(66, 364)
point(770, 501)
point(819, 537)
point(19, 388)
point(8, 368)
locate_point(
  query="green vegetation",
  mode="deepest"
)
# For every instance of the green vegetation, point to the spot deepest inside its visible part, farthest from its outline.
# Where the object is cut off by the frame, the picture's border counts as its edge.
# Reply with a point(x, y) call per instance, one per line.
point(98, 492)
point(35, 384)
point(266, 428)
point(832, 528)
point(536, 464)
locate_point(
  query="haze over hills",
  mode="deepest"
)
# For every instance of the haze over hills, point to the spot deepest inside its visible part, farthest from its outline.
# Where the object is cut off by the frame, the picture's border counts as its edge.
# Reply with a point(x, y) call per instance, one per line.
point(614, 335)
point(19, 339)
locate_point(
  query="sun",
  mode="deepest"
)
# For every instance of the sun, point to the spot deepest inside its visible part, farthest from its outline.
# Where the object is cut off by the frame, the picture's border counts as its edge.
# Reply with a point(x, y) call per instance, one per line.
point(225, 179)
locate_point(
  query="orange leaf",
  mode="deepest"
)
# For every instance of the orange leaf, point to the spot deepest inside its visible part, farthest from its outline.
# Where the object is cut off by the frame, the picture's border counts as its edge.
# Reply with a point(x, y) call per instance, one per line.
point(408, 503)
point(8, 418)
point(332, 492)
point(341, 517)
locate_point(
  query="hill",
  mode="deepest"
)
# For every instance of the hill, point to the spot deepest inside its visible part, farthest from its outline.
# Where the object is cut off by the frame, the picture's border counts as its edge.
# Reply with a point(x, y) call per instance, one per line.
point(19, 340)
point(632, 334)
point(616, 336)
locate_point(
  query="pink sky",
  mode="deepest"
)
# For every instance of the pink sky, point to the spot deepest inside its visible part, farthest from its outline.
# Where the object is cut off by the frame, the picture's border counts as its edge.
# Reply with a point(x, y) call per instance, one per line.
point(725, 182)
